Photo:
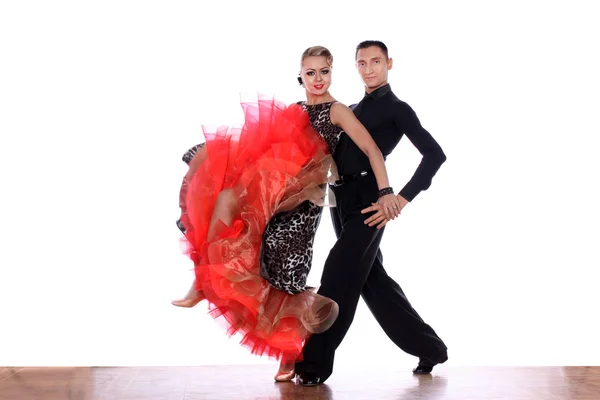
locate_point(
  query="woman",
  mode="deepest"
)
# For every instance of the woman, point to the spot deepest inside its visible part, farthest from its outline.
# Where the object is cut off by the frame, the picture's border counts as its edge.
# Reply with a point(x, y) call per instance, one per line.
point(254, 252)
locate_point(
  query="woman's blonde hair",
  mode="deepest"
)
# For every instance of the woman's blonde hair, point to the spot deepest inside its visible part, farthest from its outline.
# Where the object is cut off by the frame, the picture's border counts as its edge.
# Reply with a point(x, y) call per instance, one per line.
point(317, 51)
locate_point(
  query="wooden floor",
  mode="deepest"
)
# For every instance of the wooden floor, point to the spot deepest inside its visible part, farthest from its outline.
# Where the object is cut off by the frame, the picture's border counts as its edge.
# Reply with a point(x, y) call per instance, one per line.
point(255, 383)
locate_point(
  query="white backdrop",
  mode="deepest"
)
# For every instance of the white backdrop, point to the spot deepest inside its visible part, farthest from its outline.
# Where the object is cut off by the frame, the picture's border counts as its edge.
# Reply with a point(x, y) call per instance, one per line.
point(99, 100)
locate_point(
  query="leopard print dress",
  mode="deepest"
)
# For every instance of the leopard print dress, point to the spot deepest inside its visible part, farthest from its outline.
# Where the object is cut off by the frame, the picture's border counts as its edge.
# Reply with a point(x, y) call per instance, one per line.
point(187, 158)
point(287, 246)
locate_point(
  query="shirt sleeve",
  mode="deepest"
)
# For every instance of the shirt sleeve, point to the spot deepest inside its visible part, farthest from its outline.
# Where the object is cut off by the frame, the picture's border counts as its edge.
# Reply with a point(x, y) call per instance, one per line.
point(433, 156)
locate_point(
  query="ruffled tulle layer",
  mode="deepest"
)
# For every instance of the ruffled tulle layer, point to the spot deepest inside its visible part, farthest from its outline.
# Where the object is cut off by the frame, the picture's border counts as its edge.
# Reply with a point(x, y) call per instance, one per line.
point(240, 179)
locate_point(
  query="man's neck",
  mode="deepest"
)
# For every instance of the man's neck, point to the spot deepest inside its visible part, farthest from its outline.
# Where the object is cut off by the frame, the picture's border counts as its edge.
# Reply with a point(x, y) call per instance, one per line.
point(369, 90)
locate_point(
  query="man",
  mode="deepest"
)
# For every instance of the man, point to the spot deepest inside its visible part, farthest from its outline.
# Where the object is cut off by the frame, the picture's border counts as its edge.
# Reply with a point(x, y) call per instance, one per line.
point(354, 266)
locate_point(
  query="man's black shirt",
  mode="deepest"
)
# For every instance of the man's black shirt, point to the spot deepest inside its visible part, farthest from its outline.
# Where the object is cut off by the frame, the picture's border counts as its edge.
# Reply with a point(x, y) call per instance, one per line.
point(387, 118)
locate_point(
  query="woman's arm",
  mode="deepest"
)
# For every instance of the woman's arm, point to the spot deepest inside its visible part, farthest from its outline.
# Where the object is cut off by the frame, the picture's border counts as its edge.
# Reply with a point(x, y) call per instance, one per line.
point(343, 117)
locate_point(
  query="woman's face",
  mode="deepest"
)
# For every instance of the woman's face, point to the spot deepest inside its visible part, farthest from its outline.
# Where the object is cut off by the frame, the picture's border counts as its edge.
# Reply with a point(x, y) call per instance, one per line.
point(316, 75)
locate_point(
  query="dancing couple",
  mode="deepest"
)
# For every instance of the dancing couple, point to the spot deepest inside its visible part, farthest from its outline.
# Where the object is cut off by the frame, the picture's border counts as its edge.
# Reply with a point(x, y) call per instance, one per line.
point(252, 200)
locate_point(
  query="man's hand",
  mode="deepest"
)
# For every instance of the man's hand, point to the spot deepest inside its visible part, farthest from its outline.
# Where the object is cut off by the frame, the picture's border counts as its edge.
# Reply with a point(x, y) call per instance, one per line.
point(379, 218)
point(389, 205)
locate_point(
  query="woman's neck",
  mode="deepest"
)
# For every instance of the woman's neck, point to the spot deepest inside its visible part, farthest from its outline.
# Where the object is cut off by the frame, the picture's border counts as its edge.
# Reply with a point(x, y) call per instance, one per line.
point(312, 99)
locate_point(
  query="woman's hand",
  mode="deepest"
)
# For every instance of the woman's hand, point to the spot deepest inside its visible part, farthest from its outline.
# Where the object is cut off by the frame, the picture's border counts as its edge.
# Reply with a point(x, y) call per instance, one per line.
point(390, 206)
point(379, 218)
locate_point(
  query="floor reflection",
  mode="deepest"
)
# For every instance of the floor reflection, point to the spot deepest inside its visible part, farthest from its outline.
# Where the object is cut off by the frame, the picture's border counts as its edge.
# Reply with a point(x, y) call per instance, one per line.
point(255, 383)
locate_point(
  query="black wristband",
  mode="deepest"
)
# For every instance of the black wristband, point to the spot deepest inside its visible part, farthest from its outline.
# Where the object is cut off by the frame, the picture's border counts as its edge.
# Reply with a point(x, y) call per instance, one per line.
point(386, 191)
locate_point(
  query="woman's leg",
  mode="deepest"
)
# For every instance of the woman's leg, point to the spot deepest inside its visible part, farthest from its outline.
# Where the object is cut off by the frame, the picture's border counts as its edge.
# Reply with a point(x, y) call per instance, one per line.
point(194, 158)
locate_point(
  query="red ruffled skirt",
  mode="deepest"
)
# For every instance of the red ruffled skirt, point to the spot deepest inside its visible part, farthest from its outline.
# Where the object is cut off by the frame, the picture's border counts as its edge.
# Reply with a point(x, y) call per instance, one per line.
point(242, 178)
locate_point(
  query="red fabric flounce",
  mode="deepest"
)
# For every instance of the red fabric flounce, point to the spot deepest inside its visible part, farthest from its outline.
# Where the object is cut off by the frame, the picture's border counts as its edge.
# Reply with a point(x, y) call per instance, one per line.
point(241, 178)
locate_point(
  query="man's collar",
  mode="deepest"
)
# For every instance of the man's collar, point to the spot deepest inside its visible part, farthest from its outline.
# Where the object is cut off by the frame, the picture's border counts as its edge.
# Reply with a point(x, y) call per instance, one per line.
point(379, 92)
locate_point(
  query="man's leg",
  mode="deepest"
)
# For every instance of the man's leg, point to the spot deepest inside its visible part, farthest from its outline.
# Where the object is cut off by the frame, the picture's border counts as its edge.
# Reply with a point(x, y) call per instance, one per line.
point(398, 318)
point(336, 220)
point(344, 275)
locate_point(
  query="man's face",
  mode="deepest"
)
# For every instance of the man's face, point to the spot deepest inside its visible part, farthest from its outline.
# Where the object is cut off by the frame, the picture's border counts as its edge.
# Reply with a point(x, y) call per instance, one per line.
point(373, 67)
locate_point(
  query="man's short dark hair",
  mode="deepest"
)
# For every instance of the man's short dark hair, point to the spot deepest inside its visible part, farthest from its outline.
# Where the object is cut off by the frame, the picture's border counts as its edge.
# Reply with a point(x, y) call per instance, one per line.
point(371, 43)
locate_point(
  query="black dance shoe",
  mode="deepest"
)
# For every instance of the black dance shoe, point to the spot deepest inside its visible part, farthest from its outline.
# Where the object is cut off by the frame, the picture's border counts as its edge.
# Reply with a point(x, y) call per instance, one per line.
point(308, 379)
point(426, 365)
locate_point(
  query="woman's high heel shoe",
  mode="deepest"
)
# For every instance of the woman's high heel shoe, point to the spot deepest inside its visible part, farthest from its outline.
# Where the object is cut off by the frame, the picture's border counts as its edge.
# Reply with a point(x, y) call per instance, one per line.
point(192, 298)
point(286, 372)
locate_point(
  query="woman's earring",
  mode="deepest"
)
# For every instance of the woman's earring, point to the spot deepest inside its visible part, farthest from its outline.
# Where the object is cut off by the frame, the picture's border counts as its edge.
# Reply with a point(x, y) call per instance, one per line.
point(300, 81)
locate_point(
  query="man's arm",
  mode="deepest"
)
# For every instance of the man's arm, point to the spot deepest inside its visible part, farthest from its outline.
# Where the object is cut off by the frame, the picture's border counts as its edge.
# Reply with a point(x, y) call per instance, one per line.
point(433, 156)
